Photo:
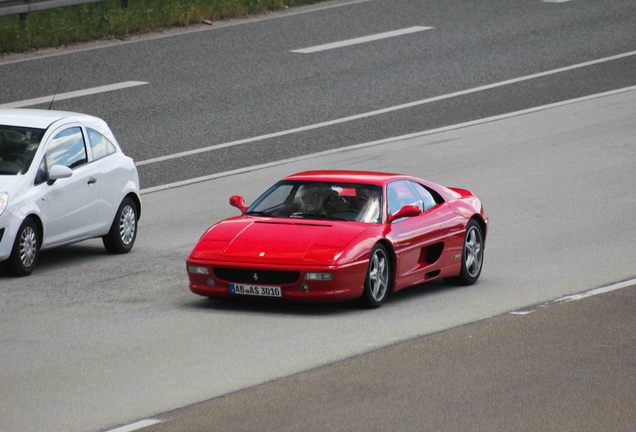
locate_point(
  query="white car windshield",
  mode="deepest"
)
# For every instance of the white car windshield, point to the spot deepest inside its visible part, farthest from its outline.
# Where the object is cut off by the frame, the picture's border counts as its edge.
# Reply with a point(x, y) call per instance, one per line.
point(17, 148)
point(321, 200)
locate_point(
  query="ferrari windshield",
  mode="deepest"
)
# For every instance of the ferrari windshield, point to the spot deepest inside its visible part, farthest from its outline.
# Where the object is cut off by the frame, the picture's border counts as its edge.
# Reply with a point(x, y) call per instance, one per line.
point(321, 200)
point(17, 148)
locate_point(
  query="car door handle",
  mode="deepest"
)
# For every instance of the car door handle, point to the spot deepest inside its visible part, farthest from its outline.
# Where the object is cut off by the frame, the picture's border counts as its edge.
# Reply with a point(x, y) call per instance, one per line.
point(92, 180)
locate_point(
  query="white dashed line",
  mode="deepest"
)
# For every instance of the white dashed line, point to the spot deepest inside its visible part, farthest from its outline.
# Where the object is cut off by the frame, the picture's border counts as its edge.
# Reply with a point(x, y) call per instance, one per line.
point(136, 426)
point(366, 144)
point(555, 1)
point(379, 112)
point(178, 31)
point(74, 94)
point(361, 40)
point(580, 296)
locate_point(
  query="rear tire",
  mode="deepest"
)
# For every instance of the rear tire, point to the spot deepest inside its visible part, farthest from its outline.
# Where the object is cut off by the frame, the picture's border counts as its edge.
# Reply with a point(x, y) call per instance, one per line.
point(26, 247)
point(378, 280)
point(123, 232)
point(472, 255)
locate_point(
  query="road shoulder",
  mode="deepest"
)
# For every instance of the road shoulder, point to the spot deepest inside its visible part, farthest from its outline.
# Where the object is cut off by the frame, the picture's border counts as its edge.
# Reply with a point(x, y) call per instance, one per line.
point(567, 367)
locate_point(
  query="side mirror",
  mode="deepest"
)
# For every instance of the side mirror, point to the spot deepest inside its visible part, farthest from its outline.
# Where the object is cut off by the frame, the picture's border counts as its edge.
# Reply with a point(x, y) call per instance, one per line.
point(57, 172)
point(406, 211)
point(238, 202)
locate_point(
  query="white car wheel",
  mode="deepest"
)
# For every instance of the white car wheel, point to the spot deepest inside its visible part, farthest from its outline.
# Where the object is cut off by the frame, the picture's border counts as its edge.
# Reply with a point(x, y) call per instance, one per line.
point(26, 247)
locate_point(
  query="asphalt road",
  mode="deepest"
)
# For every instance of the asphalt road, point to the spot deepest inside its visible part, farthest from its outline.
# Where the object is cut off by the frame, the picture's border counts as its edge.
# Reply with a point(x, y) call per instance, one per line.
point(90, 341)
point(564, 367)
point(236, 82)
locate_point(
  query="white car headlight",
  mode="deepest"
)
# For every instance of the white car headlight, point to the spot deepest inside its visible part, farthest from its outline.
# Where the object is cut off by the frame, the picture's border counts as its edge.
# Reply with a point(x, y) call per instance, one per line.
point(4, 200)
point(198, 269)
point(323, 276)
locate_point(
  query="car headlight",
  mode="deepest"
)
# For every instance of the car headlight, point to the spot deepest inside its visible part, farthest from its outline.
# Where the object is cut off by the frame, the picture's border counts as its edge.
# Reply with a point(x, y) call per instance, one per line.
point(198, 269)
point(323, 276)
point(4, 200)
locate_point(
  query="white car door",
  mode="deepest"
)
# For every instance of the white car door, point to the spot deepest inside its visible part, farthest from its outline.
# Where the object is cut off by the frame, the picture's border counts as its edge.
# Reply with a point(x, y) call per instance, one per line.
point(110, 176)
point(71, 202)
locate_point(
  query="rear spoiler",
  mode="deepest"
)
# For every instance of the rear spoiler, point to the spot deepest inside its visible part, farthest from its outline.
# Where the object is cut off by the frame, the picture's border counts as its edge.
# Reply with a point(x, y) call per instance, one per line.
point(463, 193)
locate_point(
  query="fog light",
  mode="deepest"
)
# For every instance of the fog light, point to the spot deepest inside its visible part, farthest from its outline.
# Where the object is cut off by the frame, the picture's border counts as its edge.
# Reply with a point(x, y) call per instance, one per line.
point(198, 269)
point(326, 276)
point(211, 283)
point(304, 287)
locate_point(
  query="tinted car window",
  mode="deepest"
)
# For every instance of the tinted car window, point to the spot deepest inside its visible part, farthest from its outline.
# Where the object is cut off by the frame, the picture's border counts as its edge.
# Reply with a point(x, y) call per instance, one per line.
point(67, 149)
point(277, 197)
point(17, 148)
point(320, 200)
point(42, 175)
point(100, 145)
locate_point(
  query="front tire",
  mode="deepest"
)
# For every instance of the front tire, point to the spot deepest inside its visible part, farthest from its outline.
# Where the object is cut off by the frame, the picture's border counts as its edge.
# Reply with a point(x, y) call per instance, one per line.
point(123, 232)
point(377, 282)
point(26, 247)
point(472, 255)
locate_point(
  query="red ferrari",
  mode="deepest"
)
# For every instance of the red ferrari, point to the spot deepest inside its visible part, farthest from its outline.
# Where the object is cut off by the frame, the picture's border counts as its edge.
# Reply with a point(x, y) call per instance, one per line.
point(341, 235)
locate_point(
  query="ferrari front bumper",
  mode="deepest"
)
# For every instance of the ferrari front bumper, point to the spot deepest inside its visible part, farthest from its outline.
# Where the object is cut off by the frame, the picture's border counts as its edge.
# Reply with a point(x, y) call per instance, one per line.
point(347, 282)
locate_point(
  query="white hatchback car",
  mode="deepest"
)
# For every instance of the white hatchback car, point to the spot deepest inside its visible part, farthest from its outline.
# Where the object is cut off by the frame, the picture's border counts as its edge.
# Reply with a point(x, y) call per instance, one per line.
point(63, 179)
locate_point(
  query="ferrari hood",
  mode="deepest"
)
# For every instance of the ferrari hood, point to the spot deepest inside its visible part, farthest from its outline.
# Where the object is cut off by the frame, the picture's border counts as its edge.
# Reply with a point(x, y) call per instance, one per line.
point(277, 241)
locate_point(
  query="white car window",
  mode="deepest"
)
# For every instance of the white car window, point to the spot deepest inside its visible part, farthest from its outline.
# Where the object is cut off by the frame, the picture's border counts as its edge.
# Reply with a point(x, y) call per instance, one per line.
point(67, 149)
point(42, 175)
point(100, 145)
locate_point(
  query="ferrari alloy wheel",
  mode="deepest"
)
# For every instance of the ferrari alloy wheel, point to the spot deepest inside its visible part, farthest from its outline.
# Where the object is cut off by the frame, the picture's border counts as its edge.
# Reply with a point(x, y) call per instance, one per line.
point(473, 252)
point(123, 231)
point(376, 285)
point(472, 255)
point(24, 255)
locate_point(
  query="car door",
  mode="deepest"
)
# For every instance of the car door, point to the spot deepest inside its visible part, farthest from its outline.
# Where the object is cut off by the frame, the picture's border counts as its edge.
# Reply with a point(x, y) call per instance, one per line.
point(71, 202)
point(454, 224)
point(418, 240)
point(109, 175)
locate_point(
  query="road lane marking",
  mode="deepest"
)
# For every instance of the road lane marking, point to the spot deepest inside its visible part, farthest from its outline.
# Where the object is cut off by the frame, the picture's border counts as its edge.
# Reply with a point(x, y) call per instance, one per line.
point(361, 40)
point(74, 94)
point(555, 1)
point(136, 426)
point(168, 33)
point(380, 142)
point(597, 291)
point(380, 111)
point(579, 296)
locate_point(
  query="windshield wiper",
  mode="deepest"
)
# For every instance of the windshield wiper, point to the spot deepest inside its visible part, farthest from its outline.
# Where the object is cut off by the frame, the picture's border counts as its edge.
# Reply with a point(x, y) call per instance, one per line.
point(316, 216)
point(258, 213)
point(337, 218)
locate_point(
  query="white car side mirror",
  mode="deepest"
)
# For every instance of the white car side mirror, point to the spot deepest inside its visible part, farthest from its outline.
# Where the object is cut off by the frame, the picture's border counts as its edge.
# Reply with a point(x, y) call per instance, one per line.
point(58, 172)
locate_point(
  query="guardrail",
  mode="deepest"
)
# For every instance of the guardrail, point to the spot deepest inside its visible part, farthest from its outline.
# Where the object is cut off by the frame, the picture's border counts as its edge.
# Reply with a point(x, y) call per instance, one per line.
point(23, 7)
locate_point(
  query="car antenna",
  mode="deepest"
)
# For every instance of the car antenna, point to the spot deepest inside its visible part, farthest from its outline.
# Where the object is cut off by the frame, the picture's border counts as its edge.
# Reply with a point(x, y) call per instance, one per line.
point(55, 93)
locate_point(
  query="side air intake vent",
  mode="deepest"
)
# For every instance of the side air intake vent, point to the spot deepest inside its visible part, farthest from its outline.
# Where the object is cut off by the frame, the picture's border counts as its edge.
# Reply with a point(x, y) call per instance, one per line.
point(431, 253)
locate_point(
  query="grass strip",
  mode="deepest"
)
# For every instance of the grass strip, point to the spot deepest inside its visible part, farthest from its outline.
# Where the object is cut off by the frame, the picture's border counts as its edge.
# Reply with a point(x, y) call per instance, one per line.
point(107, 19)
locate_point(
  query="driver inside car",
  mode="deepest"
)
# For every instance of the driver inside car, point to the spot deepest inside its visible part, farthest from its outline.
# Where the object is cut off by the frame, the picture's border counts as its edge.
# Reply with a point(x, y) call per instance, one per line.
point(368, 204)
point(320, 199)
point(311, 199)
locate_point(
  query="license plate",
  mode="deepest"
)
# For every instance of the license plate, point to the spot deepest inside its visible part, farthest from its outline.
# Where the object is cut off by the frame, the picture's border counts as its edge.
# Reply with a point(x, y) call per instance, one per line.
point(255, 290)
